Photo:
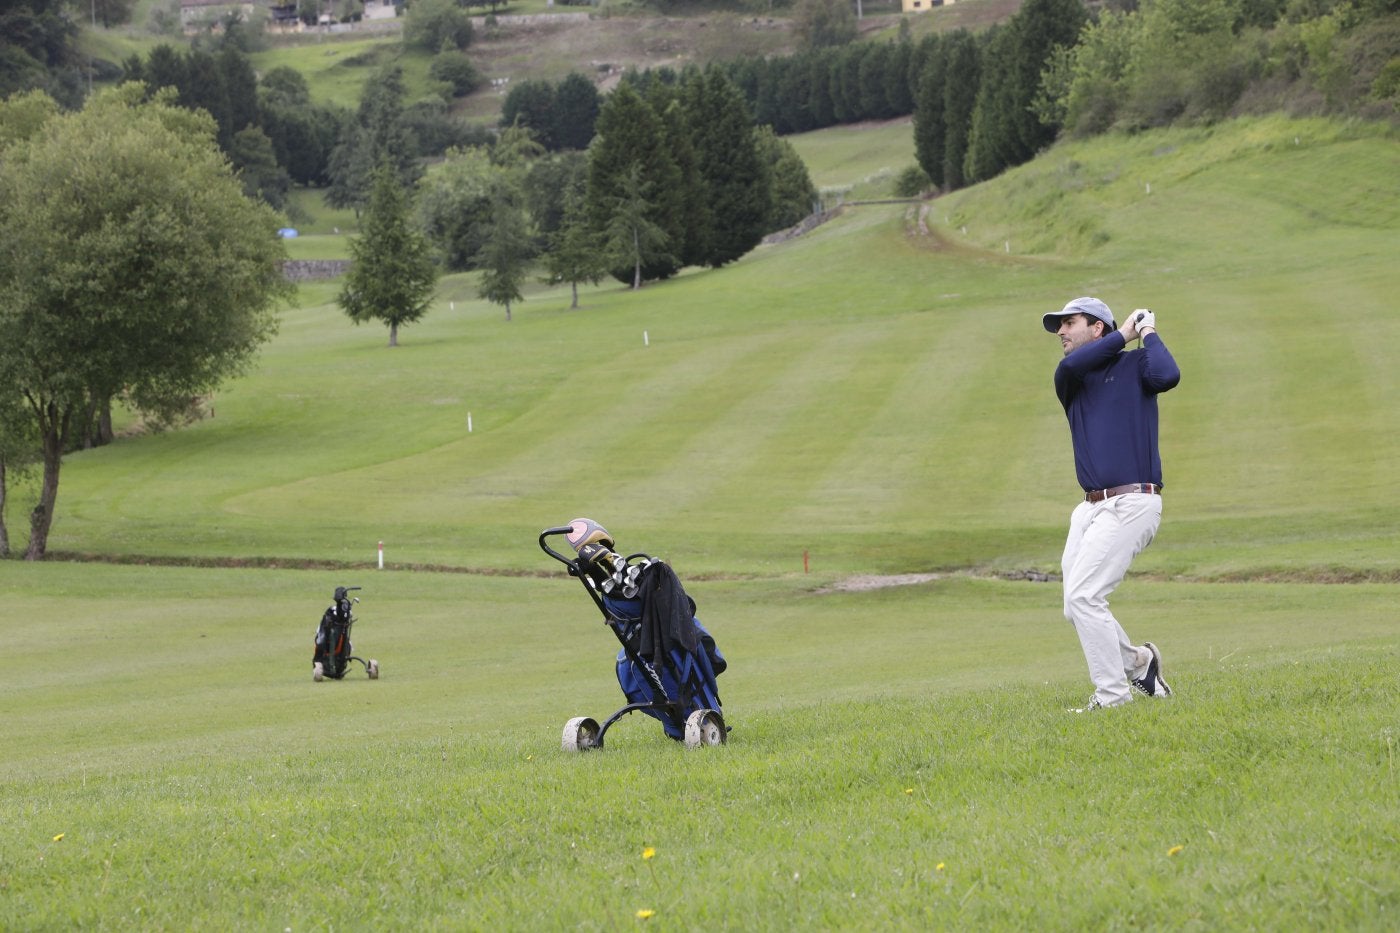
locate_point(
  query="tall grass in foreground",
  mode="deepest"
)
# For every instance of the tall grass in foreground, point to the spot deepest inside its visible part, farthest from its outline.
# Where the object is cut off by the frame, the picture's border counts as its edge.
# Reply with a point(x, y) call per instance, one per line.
point(1264, 798)
point(900, 759)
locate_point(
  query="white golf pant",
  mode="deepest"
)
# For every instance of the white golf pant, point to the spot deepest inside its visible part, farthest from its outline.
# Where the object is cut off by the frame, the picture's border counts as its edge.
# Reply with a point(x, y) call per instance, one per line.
point(1104, 537)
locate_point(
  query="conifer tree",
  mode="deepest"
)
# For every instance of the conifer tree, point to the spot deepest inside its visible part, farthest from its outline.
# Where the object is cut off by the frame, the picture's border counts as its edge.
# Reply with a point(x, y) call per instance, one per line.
point(505, 256)
point(962, 76)
point(575, 254)
point(576, 105)
point(793, 196)
point(378, 132)
point(634, 241)
point(1006, 128)
point(930, 128)
point(630, 159)
point(392, 276)
point(732, 173)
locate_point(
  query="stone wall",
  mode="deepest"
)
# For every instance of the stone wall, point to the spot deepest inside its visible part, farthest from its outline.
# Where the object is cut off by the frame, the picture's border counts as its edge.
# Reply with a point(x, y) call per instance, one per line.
point(306, 270)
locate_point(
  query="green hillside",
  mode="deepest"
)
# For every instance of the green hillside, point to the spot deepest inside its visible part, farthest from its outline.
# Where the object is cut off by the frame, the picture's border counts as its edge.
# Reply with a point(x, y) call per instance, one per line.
point(870, 393)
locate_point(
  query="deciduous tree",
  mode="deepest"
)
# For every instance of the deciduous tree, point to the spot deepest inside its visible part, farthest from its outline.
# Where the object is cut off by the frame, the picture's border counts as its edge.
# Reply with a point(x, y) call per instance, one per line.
point(131, 264)
point(454, 205)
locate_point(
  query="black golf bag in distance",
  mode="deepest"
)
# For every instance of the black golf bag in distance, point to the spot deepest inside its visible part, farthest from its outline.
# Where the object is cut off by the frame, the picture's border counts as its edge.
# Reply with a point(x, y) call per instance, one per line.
point(668, 662)
point(333, 649)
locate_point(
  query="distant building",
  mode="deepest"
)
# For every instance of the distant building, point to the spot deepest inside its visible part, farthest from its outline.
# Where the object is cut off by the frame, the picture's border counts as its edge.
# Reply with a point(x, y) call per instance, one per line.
point(375, 9)
point(923, 6)
point(194, 11)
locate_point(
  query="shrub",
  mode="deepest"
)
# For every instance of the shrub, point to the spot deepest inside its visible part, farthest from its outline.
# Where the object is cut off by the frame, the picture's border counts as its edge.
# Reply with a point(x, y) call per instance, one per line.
point(457, 71)
point(912, 182)
point(434, 25)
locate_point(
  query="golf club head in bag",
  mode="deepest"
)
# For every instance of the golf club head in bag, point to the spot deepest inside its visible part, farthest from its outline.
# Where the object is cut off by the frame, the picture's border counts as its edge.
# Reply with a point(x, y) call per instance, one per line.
point(594, 546)
point(584, 531)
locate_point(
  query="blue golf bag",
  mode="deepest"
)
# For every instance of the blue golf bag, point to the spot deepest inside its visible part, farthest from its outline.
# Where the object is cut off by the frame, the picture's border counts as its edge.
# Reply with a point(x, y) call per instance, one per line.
point(686, 674)
point(668, 661)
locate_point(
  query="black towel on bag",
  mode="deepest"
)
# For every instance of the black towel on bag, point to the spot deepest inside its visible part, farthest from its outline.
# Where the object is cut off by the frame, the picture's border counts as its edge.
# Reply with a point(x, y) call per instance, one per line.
point(668, 614)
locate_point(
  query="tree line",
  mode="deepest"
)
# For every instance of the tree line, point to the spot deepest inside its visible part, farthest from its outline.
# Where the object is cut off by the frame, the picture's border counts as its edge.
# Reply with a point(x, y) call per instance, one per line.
point(984, 102)
point(276, 136)
point(675, 174)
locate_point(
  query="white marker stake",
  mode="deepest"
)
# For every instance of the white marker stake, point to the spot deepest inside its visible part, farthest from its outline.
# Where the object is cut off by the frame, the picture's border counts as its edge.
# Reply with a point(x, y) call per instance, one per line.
point(469, 422)
point(452, 306)
point(381, 555)
point(646, 340)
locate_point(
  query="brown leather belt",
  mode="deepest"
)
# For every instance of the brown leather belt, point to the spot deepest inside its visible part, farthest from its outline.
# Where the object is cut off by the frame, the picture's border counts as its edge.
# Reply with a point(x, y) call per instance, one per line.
point(1098, 495)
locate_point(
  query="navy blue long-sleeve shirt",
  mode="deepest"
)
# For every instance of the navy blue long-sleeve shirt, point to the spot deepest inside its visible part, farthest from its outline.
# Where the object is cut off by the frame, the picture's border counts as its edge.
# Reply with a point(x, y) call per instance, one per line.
point(1110, 399)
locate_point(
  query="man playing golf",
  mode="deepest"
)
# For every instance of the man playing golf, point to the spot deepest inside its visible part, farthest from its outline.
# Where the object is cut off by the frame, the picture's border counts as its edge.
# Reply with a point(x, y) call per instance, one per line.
point(1110, 398)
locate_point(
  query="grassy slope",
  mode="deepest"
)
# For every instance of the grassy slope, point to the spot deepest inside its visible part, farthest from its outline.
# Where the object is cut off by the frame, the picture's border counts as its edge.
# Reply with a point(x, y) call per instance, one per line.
point(857, 161)
point(876, 396)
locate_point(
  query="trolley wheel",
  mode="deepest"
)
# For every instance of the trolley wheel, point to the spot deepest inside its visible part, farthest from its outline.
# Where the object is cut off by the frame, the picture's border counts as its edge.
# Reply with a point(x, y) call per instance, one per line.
point(580, 733)
point(372, 668)
point(318, 672)
point(704, 727)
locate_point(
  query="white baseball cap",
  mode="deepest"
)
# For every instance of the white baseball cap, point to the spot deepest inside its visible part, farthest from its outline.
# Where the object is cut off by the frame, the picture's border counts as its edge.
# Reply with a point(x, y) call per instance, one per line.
point(1090, 307)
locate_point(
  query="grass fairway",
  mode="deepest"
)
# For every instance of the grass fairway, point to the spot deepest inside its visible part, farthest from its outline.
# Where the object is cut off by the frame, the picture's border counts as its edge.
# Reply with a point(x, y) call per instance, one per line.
point(857, 161)
point(900, 759)
point(875, 396)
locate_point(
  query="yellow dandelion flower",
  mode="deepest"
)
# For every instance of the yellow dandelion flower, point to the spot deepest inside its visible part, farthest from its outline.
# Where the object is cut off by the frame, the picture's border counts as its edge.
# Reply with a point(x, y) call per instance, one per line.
point(645, 914)
point(909, 790)
point(59, 837)
point(1175, 850)
point(938, 867)
point(648, 852)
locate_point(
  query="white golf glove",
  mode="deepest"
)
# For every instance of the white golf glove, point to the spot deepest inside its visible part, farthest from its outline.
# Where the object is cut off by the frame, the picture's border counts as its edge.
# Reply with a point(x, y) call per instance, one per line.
point(1143, 318)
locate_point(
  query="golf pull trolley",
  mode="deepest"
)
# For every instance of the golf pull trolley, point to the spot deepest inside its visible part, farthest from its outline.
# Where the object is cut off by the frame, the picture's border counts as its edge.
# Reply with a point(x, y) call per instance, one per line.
point(333, 655)
point(667, 663)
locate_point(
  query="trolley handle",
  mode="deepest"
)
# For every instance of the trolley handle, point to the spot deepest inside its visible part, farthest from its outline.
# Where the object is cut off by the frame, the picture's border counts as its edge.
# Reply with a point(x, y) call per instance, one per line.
point(554, 532)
